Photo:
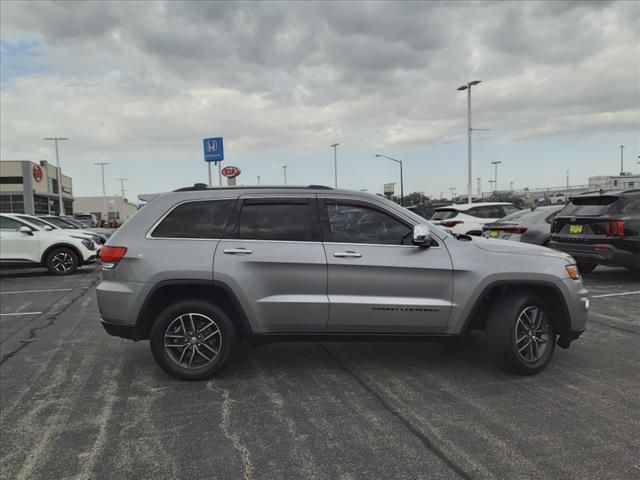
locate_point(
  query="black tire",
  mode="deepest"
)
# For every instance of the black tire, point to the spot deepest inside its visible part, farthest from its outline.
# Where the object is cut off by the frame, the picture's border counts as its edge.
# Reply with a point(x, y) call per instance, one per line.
point(200, 312)
point(586, 267)
point(62, 261)
point(502, 324)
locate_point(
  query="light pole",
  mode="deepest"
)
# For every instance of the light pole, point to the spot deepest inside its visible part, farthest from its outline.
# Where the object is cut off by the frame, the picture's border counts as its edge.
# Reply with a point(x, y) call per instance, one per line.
point(467, 86)
point(284, 169)
point(335, 163)
point(122, 180)
point(401, 177)
point(621, 160)
point(495, 176)
point(104, 192)
point(58, 175)
point(491, 183)
point(511, 185)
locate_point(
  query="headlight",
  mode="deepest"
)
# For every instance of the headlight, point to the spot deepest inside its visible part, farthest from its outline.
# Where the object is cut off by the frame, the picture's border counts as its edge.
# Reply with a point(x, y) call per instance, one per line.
point(88, 243)
point(572, 270)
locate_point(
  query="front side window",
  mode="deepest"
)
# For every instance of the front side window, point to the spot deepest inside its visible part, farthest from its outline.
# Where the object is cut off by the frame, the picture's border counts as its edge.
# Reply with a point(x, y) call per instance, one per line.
point(206, 219)
point(272, 220)
point(358, 224)
point(10, 224)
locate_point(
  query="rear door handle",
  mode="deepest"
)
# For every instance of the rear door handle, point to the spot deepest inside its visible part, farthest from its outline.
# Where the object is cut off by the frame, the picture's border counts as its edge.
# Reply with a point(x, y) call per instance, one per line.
point(237, 251)
point(349, 254)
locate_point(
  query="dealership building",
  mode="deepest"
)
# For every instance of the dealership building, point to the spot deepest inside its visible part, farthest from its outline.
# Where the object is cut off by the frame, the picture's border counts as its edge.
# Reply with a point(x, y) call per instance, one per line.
point(32, 188)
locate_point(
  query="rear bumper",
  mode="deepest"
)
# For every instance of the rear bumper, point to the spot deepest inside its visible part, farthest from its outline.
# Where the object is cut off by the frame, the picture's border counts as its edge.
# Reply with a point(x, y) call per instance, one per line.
point(605, 254)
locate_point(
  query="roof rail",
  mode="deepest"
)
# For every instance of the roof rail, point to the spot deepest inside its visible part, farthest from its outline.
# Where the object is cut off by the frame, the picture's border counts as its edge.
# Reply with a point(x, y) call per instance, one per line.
point(204, 186)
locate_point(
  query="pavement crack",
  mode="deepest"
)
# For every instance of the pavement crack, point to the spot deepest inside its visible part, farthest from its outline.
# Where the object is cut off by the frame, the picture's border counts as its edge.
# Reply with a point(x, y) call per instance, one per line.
point(51, 319)
point(247, 466)
point(426, 441)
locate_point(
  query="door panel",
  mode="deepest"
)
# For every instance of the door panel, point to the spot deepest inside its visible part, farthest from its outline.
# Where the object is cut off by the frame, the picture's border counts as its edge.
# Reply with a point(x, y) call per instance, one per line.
point(387, 286)
point(15, 245)
point(273, 258)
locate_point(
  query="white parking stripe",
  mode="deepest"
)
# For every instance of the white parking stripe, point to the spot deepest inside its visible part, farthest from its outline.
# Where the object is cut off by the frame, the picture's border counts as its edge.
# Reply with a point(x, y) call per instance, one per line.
point(616, 294)
point(19, 313)
point(39, 291)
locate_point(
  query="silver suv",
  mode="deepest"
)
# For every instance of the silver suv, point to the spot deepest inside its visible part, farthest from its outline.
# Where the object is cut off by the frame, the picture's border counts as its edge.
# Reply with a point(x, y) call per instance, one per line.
point(197, 269)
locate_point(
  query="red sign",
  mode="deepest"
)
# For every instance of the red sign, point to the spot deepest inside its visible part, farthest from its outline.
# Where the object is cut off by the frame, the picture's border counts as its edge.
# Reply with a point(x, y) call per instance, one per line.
point(37, 173)
point(230, 172)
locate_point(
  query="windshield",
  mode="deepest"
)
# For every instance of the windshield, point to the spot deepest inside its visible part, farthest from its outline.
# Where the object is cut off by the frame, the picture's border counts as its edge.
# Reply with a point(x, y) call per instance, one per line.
point(590, 206)
point(38, 222)
point(60, 222)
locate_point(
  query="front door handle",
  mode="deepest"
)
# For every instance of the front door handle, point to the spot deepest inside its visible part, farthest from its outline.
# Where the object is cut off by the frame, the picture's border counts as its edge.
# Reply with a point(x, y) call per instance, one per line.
point(349, 254)
point(237, 251)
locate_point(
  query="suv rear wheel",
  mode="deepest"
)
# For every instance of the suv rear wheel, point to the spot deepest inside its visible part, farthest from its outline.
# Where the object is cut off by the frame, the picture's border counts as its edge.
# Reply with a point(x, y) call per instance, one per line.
point(192, 339)
point(521, 334)
point(62, 261)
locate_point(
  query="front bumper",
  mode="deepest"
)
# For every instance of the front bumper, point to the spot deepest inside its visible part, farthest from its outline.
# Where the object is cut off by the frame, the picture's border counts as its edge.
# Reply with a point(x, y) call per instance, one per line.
point(118, 329)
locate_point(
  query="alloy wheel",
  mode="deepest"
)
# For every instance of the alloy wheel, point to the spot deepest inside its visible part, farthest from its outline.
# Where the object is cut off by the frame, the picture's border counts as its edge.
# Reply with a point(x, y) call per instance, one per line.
point(62, 262)
point(531, 334)
point(193, 340)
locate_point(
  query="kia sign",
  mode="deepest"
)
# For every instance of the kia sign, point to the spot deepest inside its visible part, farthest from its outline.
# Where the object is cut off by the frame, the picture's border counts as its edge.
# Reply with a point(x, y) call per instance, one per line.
point(37, 173)
point(231, 172)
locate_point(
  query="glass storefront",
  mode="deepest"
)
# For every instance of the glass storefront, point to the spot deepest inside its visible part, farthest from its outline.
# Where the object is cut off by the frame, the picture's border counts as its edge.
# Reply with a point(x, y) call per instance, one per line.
point(11, 204)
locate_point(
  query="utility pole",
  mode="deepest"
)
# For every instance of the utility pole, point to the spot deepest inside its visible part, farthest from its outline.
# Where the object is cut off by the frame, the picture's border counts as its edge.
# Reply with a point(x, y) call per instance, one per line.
point(122, 180)
point(467, 87)
point(335, 163)
point(284, 169)
point(495, 177)
point(58, 174)
point(104, 192)
point(621, 160)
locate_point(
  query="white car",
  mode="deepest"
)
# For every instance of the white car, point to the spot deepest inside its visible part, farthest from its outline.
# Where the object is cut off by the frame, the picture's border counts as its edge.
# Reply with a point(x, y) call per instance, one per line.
point(469, 219)
point(48, 225)
point(23, 243)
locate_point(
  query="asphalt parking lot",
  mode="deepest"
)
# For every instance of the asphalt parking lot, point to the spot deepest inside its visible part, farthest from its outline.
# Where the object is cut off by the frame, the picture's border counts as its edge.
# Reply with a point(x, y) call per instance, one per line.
point(77, 403)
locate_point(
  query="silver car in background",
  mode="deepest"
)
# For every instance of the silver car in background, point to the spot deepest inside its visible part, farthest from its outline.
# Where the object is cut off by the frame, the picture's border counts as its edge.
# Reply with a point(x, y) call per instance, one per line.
point(528, 226)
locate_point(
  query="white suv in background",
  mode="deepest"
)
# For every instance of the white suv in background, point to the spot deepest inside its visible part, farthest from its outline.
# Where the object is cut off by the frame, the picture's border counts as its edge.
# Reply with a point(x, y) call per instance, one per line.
point(24, 244)
point(470, 218)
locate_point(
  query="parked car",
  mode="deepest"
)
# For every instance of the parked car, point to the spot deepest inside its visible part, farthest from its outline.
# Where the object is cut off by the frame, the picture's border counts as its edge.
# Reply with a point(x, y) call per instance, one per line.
point(198, 268)
point(528, 226)
point(600, 229)
point(553, 199)
point(24, 244)
point(64, 223)
point(102, 231)
point(469, 219)
point(87, 219)
point(48, 225)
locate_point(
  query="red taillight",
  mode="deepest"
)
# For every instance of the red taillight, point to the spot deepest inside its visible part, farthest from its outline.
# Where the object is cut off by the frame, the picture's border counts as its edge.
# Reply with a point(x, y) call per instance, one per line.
point(451, 224)
point(617, 228)
point(110, 254)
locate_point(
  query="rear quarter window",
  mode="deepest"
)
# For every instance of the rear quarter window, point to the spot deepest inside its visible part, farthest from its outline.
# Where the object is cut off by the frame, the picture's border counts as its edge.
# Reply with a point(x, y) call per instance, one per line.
point(203, 219)
point(444, 214)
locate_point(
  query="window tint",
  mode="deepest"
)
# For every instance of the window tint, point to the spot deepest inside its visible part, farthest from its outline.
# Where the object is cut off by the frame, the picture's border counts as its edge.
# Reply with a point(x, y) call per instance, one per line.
point(36, 221)
point(356, 224)
point(275, 221)
point(509, 209)
point(7, 223)
point(196, 220)
point(444, 214)
point(492, 211)
point(591, 206)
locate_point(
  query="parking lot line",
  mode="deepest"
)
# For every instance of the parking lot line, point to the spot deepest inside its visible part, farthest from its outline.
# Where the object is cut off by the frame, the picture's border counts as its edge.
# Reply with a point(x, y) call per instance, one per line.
point(39, 291)
point(19, 313)
point(616, 294)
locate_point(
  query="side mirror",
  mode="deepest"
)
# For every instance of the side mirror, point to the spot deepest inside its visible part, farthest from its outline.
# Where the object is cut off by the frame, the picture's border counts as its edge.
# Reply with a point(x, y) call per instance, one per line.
point(422, 235)
point(48, 228)
point(26, 230)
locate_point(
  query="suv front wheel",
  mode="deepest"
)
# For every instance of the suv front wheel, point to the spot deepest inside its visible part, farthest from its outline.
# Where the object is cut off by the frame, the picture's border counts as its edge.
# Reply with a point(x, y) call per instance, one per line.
point(521, 334)
point(192, 339)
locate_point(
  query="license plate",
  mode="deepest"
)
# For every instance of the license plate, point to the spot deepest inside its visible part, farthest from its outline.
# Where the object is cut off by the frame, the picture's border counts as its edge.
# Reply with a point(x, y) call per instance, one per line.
point(493, 234)
point(576, 228)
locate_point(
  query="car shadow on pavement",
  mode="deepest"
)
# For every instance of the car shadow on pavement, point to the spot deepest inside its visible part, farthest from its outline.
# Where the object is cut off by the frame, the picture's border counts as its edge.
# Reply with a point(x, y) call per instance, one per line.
point(37, 273)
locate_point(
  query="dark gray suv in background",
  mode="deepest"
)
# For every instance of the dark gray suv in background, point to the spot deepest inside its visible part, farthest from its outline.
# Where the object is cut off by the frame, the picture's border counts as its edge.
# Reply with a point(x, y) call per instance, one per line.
point(196, 269)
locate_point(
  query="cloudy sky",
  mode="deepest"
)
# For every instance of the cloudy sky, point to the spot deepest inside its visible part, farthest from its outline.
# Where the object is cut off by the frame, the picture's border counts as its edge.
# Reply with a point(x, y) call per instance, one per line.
point(140, 84)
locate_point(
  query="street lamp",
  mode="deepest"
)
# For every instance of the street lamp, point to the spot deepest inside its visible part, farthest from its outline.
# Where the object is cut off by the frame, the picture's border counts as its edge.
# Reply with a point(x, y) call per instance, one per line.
point(467, 86)
point(122, 180)
point(284, 169)
point(335, 163)
point(104, 192)
point(495, 177)
point(401, 178)
point(58, 175)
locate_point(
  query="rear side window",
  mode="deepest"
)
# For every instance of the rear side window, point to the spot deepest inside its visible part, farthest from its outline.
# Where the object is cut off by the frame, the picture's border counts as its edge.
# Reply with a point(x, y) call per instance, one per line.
point(196, 220)
point(444, 214)
point(7, 223)
point(285, 221)
point(492, 211)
